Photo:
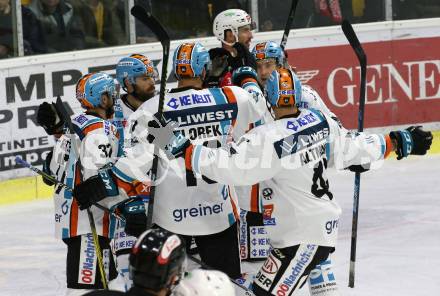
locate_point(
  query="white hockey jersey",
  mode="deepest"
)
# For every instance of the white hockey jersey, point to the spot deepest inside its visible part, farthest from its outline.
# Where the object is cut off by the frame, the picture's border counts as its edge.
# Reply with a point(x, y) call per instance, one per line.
point(58, 164)
point(183, 204)
point(290, 156)
point(98, 145)
point(310, 99)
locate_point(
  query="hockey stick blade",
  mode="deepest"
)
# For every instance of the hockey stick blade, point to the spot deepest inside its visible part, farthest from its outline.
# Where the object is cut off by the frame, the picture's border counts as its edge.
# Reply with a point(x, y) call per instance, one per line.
point(288, 24)
point(146, 18)
point(349, 33)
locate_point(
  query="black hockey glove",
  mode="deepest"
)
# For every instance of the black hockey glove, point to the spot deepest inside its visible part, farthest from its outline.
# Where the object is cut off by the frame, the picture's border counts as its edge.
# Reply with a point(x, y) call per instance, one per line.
point(244, 58)
point(166, 137)
point(412, 140)
point(219, 61)
point(95, 189)
point(219, 66)
point(46, 169)
point(135, 217)
point(49, 119)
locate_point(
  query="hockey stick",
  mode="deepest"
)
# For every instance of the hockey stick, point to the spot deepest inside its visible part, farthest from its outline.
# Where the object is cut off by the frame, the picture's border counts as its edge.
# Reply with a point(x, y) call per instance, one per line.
point(23, 163)
point(60, 107)
point(355, 44)
point(153, 24)
point(206, 266)
point(288, 24)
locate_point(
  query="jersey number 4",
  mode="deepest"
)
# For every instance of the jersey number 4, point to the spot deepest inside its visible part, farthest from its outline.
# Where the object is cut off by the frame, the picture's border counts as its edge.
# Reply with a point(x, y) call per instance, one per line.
point(320, 182)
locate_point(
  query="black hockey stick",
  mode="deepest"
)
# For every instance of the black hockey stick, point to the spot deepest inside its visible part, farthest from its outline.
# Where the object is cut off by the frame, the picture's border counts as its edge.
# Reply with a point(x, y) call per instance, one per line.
point(24, 163)
point(146, 18)
point(362, 57)
point(206, 266)
point(60, 107)
point(288, 24)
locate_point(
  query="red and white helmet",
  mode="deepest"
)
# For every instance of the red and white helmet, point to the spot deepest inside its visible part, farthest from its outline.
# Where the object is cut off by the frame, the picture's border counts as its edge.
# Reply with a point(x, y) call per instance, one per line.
point(204, 283)
point(230, 19)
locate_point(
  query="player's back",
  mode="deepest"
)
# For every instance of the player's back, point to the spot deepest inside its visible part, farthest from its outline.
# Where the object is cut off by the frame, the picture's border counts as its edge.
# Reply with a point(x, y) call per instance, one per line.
point(300, 191)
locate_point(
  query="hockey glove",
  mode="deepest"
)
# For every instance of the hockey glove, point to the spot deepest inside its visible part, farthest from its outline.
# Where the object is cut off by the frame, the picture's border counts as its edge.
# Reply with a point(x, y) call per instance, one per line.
point(219, 66)
point(412, 140)
point(49, 119)
point(219, 60)
point(135, 217)
point(95, 189)
point(46, 169)
point(242, 74)
point(166, 137)
point(244, 58)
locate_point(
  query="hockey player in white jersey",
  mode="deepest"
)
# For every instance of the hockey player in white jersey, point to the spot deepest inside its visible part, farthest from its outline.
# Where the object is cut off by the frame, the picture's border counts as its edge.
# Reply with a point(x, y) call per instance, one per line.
point(97, 144)
point(57, 163)
point(201, 208)
point(291, 156)
point(253, 238)
point(136, 75)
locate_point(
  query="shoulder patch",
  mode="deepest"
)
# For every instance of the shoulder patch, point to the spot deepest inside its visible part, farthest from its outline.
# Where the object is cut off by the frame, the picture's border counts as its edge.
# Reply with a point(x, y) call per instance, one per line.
point(81, 119)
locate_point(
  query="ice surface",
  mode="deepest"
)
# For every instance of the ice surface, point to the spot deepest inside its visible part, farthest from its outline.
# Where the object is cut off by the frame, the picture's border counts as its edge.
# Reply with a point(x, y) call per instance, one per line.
point(398, 236)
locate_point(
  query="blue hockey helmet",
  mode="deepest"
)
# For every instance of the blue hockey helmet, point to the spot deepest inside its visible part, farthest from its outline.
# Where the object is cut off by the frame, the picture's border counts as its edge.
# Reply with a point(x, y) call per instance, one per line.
point(90, 87)
point(134, 66)
point(283, 88)
point(267, 50)
point(190, 59)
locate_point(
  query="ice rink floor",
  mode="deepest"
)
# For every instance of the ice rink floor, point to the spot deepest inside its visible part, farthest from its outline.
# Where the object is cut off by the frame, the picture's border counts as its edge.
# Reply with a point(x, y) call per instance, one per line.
point(398, 237)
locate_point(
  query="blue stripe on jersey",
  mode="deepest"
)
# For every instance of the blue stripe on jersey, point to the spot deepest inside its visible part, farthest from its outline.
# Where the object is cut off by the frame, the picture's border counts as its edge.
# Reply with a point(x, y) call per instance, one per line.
point(309, 136)
point(79, 129)
point(220, 98)
point(118, 121)
point(70, 173)
point(223, 113)
point(65, 233)
point(121, 175)
point(231, 218)
point(320, 116)
point(317, 113)
point(195, 158)
point(90, 122)
point(79, 132)
point(382, 145)
point(112, 226)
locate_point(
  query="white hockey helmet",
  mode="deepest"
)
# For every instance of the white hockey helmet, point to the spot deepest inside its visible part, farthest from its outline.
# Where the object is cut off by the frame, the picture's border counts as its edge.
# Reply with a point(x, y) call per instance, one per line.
point(231, 19)
point(200, 282)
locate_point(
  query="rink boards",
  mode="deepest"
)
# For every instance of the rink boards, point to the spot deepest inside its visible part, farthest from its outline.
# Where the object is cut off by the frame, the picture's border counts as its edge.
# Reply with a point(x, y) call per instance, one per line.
point(403, 85)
